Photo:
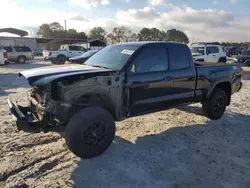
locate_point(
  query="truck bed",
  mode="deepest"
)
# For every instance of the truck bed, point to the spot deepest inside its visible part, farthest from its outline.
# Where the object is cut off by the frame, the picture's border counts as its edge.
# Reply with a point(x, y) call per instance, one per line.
point(198, 64)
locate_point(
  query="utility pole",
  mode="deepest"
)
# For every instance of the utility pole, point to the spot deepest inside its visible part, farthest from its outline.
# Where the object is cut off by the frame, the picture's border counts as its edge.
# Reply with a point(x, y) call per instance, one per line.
point(65, 26)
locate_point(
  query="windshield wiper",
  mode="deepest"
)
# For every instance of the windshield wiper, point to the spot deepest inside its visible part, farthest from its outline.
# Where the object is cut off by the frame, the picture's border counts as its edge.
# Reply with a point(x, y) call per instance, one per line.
point(99, 66)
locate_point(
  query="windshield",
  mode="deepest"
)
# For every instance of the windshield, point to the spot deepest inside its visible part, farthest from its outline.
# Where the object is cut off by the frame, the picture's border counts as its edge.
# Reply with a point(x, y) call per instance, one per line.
point(197, 50)
point(112, 57)
point(245, 52)
point(89, 53)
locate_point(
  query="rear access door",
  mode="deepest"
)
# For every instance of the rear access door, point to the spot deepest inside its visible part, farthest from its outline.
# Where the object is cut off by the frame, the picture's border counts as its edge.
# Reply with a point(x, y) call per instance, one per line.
point(184, 74)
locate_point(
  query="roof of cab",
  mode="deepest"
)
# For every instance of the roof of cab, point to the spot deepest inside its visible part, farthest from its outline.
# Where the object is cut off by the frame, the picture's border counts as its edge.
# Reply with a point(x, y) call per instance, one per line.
point(142, 43)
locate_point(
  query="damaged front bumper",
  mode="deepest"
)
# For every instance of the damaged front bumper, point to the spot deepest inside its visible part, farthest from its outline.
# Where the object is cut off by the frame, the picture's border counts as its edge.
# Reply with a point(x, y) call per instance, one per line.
point(23, 119)
point(31, 119)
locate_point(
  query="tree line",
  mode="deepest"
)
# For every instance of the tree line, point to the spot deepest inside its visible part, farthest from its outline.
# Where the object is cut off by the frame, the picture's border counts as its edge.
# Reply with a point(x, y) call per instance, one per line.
point(235, 43)
point(118, 34)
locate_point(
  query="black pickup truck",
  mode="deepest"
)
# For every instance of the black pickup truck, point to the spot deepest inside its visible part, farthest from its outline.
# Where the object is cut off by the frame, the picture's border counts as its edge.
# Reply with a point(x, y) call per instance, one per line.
point(118, 82)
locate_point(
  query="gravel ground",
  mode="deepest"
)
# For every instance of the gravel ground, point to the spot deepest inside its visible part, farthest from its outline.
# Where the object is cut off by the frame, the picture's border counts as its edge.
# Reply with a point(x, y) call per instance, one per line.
point(174, 148)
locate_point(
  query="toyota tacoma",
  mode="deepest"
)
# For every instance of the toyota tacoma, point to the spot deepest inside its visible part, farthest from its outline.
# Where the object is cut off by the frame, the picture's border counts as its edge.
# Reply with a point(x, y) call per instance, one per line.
point(118, 82)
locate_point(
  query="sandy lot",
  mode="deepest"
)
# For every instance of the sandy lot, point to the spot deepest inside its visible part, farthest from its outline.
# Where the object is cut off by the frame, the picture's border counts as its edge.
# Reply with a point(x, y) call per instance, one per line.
point(174, 148)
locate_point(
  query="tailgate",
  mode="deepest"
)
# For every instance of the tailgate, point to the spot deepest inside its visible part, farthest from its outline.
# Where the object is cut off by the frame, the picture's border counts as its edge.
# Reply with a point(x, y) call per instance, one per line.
point(45, 53)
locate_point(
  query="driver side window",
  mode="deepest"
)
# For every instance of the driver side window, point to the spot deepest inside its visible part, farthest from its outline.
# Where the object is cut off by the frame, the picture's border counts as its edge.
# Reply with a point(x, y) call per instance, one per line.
point(150, 60)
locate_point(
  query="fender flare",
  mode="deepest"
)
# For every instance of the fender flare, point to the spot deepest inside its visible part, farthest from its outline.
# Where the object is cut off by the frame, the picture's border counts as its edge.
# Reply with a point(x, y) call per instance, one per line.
point(102, 100)
point(216, 83)
point(61, 55)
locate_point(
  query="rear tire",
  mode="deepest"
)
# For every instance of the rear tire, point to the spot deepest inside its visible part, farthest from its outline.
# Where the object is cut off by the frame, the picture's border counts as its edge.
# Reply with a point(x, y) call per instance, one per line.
point(61, 59)
point(53, 62)
point(21, 60)
point(215, 106)
point(90, 132)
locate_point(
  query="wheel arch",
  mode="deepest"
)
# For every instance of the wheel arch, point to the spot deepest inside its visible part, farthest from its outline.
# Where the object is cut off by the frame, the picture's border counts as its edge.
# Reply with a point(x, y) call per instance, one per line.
point(96, 99)
point(61, 55)
point(222, 59)
point(21, 56)
point(225, 85)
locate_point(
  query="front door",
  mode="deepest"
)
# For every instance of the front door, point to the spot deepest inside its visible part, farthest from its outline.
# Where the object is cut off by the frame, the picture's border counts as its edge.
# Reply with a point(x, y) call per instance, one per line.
point(149, 80)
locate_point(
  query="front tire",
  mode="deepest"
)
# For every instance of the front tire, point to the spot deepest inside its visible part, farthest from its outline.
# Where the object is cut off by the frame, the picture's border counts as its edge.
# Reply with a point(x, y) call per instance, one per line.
point(90, 132)
point(215, 106)
point(21, 60)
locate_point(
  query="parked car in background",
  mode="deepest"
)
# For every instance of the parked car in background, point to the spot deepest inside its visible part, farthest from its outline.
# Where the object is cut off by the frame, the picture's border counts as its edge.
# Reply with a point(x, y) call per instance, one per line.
point(212, 53)
point(235, 50)
point(3, 57)
point(82, 58)
point(64, 53)
point(118, 82)
point(38, 52)
point(19, 54)
point(243, 57)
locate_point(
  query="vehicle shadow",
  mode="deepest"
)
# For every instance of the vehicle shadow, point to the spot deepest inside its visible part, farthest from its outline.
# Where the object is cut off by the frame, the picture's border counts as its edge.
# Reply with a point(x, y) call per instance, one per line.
point(4, 93)
point(12, 80)
point(214, 154)
point(28, 65)
point(246, 75)
point(191, 109)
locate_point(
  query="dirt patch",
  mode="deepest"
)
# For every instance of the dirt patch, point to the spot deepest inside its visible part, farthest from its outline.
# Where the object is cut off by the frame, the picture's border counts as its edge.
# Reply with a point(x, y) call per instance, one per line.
point(173, 148)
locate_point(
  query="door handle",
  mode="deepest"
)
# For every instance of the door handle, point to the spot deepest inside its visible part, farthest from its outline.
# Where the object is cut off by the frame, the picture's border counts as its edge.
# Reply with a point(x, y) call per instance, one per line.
point(214, 55)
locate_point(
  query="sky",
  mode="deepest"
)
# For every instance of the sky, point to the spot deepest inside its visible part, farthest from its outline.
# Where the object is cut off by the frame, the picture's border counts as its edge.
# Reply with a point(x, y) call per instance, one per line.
point(201, 20)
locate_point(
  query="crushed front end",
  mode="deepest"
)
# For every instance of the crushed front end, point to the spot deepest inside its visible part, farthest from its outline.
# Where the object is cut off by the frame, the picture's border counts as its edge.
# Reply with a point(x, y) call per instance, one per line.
point(40, 114)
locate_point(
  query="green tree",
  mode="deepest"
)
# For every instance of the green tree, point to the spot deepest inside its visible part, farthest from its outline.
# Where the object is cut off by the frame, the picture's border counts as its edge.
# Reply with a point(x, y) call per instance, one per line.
point(97, 33)
point(120, 34)
point(174, 35)
point(82, 35)
point(55, 26)
point(44, 31)
point(134, 37)
point(72, 34)
point(151, 34)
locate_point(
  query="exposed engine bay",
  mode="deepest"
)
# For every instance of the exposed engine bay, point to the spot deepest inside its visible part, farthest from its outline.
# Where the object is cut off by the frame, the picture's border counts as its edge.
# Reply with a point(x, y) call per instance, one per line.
point(55, 103)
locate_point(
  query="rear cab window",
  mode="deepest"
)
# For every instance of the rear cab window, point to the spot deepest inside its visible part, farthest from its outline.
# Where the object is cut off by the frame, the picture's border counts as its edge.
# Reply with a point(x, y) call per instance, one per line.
point(180, 57)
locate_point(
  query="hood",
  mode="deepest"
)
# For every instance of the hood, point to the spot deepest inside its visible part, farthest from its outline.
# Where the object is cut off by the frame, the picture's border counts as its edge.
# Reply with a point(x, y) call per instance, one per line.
point(43, 76)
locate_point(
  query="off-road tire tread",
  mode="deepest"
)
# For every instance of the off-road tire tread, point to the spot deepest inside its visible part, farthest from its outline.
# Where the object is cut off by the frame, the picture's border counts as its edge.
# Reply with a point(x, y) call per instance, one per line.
point(79, 122)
